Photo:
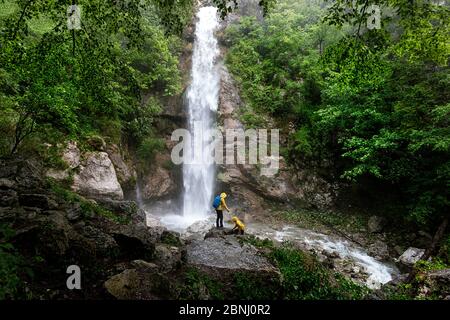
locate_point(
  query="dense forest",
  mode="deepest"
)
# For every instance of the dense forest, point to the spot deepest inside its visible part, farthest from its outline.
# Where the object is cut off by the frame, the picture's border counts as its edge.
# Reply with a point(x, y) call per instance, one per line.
point(359, 89)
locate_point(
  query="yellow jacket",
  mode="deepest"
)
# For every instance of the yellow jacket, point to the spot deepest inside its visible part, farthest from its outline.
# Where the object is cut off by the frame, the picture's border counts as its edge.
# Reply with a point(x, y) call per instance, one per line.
point(223, 205)
point(238, 224)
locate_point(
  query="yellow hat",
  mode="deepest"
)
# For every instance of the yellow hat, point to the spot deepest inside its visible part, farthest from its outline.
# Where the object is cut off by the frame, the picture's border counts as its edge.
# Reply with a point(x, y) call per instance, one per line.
point(234, 219)
point(223, 195)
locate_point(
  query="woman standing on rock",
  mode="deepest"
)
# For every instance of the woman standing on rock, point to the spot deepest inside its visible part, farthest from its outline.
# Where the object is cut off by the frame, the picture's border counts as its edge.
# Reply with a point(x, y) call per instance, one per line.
point(220, 204)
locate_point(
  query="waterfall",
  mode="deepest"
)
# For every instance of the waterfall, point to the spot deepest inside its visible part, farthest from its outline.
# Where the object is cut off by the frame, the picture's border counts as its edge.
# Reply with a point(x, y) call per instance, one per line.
point(202, 103)
point(139, 201)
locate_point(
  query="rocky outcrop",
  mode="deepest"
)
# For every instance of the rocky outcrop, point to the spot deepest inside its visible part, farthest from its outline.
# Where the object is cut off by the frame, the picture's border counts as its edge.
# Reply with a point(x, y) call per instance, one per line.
point(72, 155)
point(160, 181)
point(126, 175)
point(51, 233)
point(158, 184)
point(97, 177)
point(221, 255)
point(437, 283)
point(379, 250)
point(94, 173)
point(246, 182)
point(411, 256)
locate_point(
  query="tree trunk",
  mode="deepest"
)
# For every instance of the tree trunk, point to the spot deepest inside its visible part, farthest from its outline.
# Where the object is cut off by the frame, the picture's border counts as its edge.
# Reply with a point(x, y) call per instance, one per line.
point(434, 246)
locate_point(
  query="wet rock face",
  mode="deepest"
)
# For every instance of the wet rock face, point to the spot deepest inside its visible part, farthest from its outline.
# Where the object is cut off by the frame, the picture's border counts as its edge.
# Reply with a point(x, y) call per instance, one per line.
point(158, 184)
point(379, 250)
point(126, 175)
point(246, 181)
point(163, 180)
point(97, 177)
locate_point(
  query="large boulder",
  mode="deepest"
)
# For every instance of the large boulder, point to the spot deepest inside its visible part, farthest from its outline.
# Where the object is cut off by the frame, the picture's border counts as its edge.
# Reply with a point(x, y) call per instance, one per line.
point(97, 177)
point(139, 284)
point(411, 256)
point(168, 257)
point(21, 174)
point(223, 257)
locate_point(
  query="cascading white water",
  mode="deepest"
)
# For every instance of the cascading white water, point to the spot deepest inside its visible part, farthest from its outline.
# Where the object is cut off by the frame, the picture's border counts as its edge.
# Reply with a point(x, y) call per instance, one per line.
point(376, 272)
point(202, 103)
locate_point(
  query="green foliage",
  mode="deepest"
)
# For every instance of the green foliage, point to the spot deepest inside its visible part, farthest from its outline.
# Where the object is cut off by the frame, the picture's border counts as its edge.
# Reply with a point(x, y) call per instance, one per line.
point(225, 7)
point(363, 105)
point(305, 279)
point(79, 82)
point(88, 208)
point(257, 242)
point(198, 285)
point(149, 147)
point(252, 287)
point(434, 264)
point(10, 265)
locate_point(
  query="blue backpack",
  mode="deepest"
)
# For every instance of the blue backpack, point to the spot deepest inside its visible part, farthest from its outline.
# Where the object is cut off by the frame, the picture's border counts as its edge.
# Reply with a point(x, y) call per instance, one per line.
point(216, 202)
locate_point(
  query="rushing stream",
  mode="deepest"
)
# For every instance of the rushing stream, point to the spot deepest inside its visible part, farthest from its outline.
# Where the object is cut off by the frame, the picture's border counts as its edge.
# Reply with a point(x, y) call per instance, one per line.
point(347, 256)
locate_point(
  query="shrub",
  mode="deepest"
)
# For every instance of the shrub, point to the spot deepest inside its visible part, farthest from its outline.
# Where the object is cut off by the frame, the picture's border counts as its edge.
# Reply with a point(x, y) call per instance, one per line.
point(149, 147)
point(198, 285)
point(9, 265)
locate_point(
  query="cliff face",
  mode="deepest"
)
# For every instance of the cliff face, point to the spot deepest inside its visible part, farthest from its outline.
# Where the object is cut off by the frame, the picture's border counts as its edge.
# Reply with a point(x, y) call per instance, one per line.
point(250, 189)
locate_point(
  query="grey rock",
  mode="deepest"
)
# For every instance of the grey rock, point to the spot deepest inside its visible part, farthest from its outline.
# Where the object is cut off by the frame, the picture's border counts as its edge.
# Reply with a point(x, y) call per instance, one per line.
point(97, 177)
point(8, 198)
point(411, 256)
point(168, 257)
point(144, 265)
point(71, 154)
point(227, 253)
point(125, 173)
point(379, 249)
point(104, 243)
point(37, 200)
point(74, 212)
point(138, 284)
point(7, 183)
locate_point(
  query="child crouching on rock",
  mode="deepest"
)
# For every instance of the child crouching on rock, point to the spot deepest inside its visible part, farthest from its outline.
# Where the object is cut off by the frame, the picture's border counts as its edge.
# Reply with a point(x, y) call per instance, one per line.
point(239, 227)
